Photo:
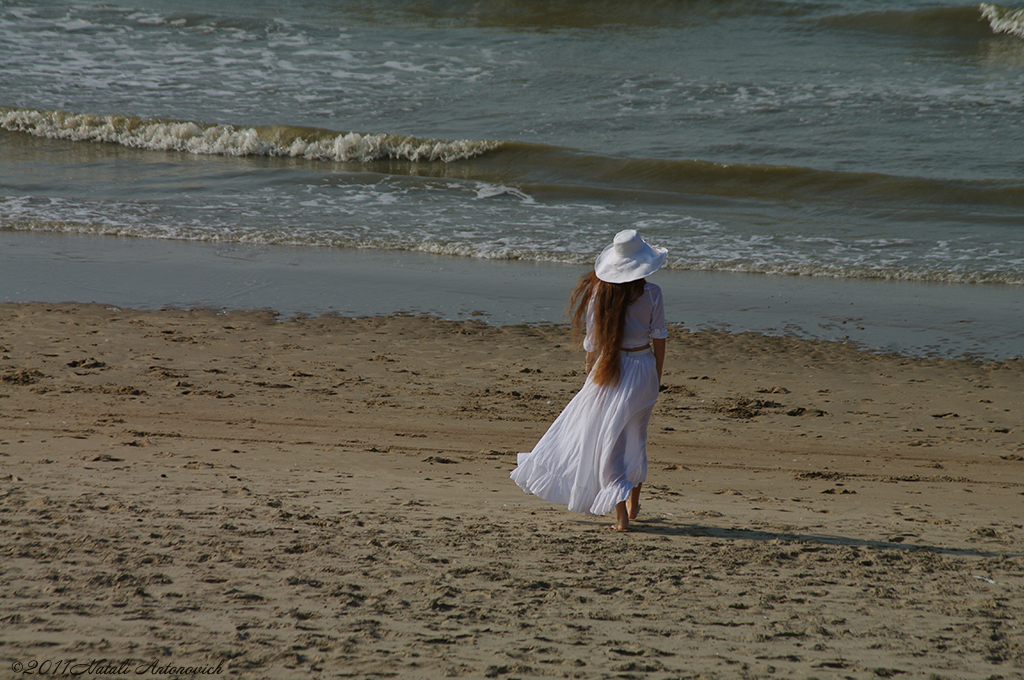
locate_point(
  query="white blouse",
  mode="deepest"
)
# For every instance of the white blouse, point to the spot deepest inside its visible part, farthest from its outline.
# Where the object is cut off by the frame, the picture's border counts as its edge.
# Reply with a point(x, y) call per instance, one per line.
point(645, 320)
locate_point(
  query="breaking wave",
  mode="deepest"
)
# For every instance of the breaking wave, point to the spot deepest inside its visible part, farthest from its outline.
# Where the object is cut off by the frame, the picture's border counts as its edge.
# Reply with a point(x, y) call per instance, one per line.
point(969, 22)
point(230, 140)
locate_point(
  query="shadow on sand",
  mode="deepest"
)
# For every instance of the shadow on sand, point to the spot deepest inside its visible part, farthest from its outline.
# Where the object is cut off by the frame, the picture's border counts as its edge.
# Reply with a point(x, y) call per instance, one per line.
point(660, 526)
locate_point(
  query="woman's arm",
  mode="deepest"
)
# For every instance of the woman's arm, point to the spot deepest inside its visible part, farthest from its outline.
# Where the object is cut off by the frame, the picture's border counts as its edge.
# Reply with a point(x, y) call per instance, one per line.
point(591, 358)
point(658, 344)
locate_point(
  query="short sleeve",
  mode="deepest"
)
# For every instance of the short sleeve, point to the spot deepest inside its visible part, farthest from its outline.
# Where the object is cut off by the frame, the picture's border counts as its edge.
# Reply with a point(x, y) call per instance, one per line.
point(657, 324)
point(588, 340)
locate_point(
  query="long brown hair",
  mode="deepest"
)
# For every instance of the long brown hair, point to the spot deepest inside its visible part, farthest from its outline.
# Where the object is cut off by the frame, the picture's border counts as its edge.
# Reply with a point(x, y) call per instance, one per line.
point(610, 303)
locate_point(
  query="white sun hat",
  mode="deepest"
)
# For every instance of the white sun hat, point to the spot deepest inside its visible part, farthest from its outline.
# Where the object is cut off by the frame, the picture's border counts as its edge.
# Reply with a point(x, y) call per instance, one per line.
point(628, 258)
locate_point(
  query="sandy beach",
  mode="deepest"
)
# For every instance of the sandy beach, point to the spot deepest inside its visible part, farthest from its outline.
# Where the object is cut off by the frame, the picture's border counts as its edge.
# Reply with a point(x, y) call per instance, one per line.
point(329, 497)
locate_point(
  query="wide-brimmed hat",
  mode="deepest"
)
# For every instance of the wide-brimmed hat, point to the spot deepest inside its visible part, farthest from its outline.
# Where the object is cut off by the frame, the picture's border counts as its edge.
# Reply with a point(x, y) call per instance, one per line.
point(628, 258)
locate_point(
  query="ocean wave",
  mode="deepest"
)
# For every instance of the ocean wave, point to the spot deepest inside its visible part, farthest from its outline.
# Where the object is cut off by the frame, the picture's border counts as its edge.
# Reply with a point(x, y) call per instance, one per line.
point(716, 253)
point(1004, 19)
point(542, 170)
point(229, 140)
point(523, 169)
point(548, 14)
point(973, 22)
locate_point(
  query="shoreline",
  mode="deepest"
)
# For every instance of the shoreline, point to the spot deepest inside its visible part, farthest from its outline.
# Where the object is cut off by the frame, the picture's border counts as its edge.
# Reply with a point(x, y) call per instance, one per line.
point(910, 319)
point(331, 493)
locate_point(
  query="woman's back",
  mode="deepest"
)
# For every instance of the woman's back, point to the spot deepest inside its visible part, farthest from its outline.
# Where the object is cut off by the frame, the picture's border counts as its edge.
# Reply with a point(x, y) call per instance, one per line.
point(645, 319)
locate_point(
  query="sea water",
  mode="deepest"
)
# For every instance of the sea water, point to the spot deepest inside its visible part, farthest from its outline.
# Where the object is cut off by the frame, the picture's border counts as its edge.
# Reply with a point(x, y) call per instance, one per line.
point(770, 145)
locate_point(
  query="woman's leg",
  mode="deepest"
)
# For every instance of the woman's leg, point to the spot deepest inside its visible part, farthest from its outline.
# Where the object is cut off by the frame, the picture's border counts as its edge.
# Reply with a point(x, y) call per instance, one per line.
point(633, 505)
point(627, 509)
point(621, 517)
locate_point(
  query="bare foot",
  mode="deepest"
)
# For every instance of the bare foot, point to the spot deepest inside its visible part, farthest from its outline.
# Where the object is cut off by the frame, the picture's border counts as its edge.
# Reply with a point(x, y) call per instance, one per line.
point(633, 503)
point(621, 517)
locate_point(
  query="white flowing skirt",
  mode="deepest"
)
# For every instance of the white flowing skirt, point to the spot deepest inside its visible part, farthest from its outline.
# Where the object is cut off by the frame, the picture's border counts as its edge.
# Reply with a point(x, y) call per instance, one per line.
point(596, 450)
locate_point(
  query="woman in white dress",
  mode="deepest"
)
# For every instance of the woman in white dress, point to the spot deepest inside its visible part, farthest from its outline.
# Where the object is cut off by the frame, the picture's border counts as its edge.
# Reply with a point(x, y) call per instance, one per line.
point(593, 458)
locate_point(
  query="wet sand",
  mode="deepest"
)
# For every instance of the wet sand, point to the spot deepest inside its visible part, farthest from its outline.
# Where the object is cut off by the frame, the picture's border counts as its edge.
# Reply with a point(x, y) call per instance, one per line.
point(913, 319)
point(329, 497)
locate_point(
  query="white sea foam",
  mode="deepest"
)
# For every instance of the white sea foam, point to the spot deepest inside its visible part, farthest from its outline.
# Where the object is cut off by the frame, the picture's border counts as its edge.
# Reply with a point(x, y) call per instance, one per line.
point(485, 190)
point(227, 140)
point(387, 216)
point(753, 93)
point(1004, 19)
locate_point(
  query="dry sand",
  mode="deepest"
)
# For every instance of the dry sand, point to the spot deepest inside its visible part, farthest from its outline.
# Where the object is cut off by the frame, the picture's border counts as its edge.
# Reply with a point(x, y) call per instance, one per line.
point(329, 497)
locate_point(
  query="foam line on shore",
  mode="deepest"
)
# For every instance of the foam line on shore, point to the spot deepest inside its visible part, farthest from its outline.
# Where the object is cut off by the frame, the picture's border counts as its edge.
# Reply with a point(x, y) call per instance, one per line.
point(913, 319)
